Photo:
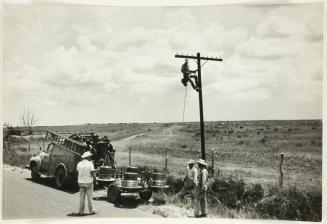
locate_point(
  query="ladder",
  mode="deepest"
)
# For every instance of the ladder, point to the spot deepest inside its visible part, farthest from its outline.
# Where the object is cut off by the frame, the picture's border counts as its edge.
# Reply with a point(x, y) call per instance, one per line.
point(68, 143)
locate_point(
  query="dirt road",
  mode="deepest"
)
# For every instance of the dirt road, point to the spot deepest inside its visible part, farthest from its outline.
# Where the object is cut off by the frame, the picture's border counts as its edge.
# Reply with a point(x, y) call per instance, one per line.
point(23, 198)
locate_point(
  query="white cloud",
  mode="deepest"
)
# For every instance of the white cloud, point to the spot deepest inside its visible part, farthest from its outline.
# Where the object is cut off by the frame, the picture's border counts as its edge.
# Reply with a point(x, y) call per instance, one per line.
point(123, 59)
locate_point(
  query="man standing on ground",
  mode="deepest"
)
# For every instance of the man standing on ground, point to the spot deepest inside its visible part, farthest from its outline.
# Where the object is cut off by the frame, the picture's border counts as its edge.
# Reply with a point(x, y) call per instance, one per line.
point(201, 208)
point(190, 181)
point(86, 177)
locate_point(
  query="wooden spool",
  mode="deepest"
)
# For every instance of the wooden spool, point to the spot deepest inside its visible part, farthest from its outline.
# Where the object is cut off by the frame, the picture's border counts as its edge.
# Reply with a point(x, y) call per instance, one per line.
point(159, 180)
point(106, 172)
point(130, 181)
point(130, 184)
point(132, 169)
point(158, 176)
point(130, 176)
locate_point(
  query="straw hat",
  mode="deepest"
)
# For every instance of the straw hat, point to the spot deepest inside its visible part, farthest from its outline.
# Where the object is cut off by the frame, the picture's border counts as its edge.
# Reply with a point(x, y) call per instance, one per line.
point(191, 161)
point(202, 162)
point(87, 154)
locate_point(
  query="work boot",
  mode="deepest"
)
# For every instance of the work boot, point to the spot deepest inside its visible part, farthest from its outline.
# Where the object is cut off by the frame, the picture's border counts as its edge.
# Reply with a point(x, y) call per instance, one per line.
point(184, 82)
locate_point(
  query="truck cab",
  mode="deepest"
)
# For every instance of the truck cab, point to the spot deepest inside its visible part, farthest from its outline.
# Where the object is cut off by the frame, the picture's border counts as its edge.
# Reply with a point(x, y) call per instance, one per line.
point(58, 160)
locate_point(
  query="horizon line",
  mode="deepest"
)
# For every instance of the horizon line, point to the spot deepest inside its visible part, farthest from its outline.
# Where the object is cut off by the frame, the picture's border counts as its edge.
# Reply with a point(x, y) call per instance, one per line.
point(161, 122)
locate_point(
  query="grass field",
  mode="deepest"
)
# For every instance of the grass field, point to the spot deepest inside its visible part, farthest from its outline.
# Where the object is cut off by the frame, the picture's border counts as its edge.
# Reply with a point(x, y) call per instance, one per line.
point(247, 150)
point(250, 150)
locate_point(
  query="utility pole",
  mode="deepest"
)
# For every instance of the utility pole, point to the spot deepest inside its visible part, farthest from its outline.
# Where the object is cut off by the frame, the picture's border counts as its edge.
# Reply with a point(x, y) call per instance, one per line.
point(198, 59)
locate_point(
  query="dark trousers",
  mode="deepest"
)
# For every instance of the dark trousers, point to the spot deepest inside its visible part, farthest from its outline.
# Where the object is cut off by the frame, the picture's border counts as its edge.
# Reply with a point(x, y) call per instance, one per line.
point(201, 205)
point(189, 189)
point(188, 78)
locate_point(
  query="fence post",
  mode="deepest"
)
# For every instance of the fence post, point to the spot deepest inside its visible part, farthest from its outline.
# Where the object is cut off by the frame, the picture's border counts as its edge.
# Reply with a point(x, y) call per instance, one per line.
point(212, 158)
point(29, 147)
point(166, 165)
point(9, 146)
point(130, 156)
point(281, 173)
point(211, 168)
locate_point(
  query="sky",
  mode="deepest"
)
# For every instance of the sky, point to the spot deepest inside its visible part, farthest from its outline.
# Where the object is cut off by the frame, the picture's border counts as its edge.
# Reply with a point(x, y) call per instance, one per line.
point(75, 64)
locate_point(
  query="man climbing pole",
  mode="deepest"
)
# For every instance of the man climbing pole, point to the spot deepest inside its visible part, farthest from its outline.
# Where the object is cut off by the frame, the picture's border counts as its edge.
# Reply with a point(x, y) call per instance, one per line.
point(186, 72)
point(187, 77)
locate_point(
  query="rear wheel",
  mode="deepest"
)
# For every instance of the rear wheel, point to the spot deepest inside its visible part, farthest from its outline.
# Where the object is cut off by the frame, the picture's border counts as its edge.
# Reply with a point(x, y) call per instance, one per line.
point(113, 193)
point(60, 178)
point(145, 195)
point(34, 174)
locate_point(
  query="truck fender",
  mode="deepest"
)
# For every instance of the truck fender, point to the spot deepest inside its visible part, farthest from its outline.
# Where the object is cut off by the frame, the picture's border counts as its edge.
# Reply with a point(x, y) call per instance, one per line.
point(62, 165)
point(37, 161)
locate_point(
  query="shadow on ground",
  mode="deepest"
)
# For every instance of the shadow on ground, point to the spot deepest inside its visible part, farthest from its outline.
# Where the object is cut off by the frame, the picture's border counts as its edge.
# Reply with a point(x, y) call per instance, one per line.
point(76, 214)
point(49, 182)
point(125, 201)
point(128, 202)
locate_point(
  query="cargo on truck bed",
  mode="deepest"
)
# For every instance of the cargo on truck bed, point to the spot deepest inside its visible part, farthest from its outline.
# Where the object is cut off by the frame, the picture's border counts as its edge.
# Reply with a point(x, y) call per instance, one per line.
point(59, 160)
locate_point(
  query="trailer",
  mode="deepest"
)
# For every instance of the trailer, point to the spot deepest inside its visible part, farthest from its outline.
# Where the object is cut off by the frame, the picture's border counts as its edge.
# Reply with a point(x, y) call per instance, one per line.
point(59, 161)
point(136, 182)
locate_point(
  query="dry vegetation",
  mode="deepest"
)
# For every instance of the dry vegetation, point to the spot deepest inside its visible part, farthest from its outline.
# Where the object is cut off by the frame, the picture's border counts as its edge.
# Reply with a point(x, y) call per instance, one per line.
point(250, 150)
point(246, 154)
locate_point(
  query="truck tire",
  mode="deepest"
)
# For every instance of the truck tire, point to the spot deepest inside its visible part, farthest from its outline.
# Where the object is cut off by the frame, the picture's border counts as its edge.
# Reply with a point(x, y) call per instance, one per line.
point(60, 178)
point(34, 174)
point(145, 195)
point(114, 193)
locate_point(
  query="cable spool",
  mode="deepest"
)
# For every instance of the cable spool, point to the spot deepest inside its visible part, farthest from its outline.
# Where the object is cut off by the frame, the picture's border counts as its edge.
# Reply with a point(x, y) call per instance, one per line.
point(106, 172)
point(158, 176)
point(130, 184)
point(106, 169)
point(159, 180)
point(130, 180)
point(130, 176)
point(132, 169)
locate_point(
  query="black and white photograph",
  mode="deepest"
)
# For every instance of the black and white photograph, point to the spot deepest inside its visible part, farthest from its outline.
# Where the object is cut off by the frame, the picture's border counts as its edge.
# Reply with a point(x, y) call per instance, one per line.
point(188, 111)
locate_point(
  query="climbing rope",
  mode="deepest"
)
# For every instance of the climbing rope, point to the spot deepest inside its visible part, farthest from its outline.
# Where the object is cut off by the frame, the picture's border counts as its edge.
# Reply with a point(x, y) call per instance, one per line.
point(184, 103)
point(185, 98)
point(184, 109)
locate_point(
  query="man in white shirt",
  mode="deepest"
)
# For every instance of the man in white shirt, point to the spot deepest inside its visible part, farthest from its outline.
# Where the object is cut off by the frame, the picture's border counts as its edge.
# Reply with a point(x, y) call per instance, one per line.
point(86, 177)
point(190, 182)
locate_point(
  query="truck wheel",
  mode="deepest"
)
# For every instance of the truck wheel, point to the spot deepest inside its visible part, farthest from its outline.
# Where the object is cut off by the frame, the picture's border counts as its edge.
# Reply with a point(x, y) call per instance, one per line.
point(60, 178)
point(113, 193)
point(145, 195)
point(34, 174)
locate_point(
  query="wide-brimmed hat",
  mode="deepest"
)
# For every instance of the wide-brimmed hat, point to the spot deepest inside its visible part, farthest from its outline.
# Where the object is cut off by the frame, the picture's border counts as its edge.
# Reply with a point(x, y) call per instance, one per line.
point(191, 161)
point(202, 162)
point(87, 154)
